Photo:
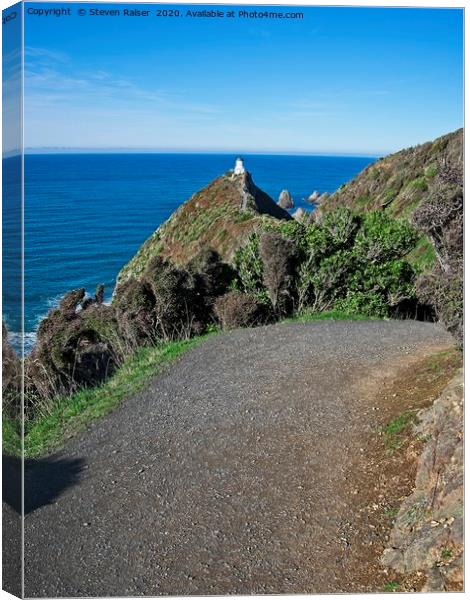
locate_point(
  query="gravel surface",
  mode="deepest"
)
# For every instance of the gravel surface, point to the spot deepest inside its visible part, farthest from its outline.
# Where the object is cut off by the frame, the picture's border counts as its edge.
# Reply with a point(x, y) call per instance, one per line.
point(227, 474)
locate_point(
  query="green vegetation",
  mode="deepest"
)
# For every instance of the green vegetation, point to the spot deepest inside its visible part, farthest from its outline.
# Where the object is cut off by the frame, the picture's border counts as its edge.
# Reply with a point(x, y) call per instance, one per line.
point(400, 182)
point(350, 263)
point(61, 417)
point(422, 256)
point(446, 361)
point(307, 316)
point(11, 436)
point(419, 184)
point(431, 171)
point(391, 586)
point(394, 431)
point(446, 553)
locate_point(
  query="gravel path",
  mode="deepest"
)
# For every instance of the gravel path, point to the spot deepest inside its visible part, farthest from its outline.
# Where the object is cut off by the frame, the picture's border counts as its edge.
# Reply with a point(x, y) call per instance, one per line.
point(230, 473)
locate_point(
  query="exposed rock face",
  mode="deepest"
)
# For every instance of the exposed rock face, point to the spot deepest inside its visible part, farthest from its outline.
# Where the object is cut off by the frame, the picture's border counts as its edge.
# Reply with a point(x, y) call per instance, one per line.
point(313, 197)
point(285, 199)
point(428, 532)
point(221, 216)
point(300, 215)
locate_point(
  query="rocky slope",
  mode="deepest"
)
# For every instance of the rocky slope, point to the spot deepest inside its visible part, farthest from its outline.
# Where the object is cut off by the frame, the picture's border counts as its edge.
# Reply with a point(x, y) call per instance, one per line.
point(220, 216)
point(428, 533)
point(399, 182)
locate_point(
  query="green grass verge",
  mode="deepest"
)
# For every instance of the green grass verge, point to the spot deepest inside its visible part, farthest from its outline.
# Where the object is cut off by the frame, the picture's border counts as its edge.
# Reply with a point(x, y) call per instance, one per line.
point(327, 315)
point(393, 431)
point(423, 256)
point(11, 436)
point(68, 415)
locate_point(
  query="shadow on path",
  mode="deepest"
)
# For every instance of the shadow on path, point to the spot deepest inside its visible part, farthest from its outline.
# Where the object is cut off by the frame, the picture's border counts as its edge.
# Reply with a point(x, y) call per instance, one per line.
point(45, 480)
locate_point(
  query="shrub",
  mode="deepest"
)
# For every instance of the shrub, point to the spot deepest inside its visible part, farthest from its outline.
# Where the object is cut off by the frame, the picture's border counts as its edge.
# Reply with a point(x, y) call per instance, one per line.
point(212, 276)
point(441, 219)
point(279, 256)
point(316, 265)
point(11, 377)
point(392, 281)
point(382, 238)
point(236, 309)
point(341, 224)
point(444, 292)
point(175, 300)
point(249, 268)
point(78, 344)
point(321, 287)
point(363, 303)
point(134, 303)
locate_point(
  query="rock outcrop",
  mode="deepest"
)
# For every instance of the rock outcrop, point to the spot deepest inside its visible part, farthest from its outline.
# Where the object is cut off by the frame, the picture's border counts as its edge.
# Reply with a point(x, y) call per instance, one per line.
point(300, 215)
point(313, 197)
point(285, 199)
point(221, 216)
point(428, 531)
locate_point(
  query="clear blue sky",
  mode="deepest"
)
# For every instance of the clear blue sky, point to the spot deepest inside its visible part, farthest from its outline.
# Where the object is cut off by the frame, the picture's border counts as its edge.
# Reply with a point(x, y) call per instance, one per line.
point(342, 80)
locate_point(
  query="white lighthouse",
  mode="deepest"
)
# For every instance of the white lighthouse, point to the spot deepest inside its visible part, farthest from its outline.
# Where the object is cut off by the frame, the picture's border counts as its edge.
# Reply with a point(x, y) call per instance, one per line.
point(239, 167)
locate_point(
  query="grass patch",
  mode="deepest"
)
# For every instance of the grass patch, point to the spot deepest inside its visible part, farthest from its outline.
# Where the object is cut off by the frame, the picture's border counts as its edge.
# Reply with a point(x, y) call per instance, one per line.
point(11, 436)
point(328, 315)
point(69, 415)
point(394, 431)
point(423, 256)
point(391, 586)
point(446, 554)
point(444, 362)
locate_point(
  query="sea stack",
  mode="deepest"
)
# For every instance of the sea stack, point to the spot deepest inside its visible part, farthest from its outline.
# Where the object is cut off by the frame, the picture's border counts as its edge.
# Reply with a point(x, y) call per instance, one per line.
point(285, 200)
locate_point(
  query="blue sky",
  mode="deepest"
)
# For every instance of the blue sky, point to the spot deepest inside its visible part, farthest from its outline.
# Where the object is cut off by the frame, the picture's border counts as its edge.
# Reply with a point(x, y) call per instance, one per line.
point(342, 80)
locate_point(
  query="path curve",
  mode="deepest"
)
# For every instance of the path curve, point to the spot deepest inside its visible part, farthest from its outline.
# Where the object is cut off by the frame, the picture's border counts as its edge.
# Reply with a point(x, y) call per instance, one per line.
point(229, 473)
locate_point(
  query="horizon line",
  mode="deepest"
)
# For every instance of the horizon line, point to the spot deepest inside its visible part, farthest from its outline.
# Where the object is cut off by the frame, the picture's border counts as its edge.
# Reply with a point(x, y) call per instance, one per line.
point(227, 152)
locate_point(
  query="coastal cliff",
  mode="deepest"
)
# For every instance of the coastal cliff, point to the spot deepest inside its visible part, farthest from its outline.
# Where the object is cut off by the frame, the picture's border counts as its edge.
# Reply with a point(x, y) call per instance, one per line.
point(400, 182)
point(220, 216)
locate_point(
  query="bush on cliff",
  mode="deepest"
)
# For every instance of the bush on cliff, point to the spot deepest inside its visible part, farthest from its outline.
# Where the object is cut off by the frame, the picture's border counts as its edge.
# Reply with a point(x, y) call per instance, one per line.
point(343, 261)
point(441, 219)
point(175, 300)
point(211, 278)
point(11, 377)
point(279, 256)
point(78, 344)
point(237, 309)
point(133, 303)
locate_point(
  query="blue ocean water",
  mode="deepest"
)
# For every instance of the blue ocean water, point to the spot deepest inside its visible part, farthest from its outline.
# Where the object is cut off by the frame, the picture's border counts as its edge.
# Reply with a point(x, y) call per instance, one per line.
point(87, 214)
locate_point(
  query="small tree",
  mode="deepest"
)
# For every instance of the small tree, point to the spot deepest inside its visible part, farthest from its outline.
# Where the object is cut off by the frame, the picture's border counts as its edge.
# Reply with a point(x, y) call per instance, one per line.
point(279, 257)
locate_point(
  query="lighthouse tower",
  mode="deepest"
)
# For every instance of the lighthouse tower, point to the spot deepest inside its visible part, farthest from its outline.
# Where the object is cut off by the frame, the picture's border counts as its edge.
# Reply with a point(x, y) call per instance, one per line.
point(239, 167)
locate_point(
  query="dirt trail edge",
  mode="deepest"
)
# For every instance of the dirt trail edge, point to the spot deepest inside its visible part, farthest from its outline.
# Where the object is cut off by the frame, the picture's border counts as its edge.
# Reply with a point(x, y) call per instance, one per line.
point(246, 468)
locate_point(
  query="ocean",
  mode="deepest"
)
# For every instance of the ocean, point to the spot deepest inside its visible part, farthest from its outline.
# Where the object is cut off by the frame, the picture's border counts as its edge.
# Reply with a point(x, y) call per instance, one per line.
point(87, 214)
